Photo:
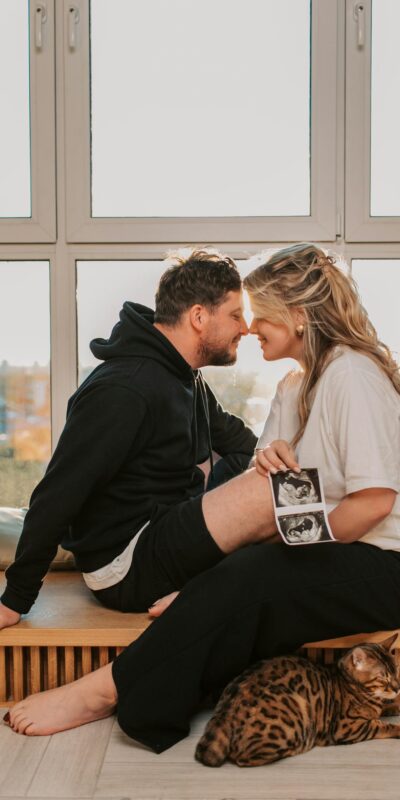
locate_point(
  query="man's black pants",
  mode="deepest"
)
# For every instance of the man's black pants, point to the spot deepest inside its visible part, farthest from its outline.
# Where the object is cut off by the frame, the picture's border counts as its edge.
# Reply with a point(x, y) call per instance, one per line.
point(174, 547)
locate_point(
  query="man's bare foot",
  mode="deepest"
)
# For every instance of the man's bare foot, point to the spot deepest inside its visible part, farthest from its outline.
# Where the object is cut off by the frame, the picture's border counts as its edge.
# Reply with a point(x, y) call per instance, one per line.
point(162, 604)
point(90, 698)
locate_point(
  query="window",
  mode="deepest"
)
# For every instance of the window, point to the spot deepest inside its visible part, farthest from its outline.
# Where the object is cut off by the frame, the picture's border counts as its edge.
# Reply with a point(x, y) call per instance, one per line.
point(25, 440)
point(373, 122)
point(385, 111)
point(27, 131)
point(115, 282)
point(190, 120)
point(379, 285)
point(192, 130)
point(15, 157)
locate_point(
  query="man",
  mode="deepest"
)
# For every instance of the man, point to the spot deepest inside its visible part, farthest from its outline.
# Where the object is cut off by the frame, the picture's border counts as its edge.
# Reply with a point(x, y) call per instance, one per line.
point(123, 490)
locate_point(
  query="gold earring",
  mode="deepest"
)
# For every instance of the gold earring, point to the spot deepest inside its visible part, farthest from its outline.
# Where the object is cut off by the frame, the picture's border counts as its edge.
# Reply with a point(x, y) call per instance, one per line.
point(300, 330)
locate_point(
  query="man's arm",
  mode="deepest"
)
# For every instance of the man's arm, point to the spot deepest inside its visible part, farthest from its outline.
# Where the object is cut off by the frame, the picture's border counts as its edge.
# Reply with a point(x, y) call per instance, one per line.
point(100, 430)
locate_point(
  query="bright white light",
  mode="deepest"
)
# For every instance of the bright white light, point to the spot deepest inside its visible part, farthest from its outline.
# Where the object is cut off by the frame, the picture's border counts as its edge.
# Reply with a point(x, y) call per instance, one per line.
point(200, 108)
point(15, 167)
point(385, 109)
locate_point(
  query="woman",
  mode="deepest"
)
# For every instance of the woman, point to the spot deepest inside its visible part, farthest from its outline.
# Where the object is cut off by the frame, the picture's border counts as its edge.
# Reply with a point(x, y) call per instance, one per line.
point(341, 413)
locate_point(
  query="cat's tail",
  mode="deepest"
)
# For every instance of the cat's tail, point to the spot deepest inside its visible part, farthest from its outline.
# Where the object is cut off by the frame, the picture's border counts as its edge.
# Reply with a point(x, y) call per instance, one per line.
point(214, 745)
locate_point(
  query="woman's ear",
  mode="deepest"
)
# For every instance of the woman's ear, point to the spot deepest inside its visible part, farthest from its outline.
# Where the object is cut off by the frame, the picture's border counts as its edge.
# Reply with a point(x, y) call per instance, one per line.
point(299, 317)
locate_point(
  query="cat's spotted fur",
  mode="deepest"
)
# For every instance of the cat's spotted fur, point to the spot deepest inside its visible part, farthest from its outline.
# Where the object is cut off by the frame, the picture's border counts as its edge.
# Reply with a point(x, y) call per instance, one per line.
point(287, 705)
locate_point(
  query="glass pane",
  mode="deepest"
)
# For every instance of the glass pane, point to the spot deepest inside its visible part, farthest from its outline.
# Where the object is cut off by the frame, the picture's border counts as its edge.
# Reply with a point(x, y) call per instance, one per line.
point(200, 108)
point(113, 282)
point(15, 159)
point(245, 389)
point(24, 379)
point(379, 284)
point(385, 109)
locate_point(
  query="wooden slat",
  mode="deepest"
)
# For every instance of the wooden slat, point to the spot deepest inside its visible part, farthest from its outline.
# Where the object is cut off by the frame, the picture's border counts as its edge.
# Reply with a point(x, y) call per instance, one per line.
point(103, 656)
point(69, 660)
point(329, 656)
point(52, 668)
point(78, 662)
point(17, 674)
point(86, 660)
point(3, 676)
point(34, 671)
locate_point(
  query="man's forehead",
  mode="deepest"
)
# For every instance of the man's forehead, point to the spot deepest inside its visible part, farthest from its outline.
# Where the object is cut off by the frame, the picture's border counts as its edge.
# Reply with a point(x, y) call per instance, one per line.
point(233, 301)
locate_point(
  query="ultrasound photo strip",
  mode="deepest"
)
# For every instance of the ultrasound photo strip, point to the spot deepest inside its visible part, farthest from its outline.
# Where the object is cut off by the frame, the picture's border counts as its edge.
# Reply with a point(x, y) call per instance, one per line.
point(299, 507)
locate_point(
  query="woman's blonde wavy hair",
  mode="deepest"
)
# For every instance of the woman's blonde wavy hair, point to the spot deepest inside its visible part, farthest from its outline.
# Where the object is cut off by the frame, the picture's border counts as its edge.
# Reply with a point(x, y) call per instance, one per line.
point(304, 277)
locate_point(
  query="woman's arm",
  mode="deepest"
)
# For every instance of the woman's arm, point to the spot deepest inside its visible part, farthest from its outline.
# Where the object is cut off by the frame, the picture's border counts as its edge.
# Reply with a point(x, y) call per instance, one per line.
point(359, 512)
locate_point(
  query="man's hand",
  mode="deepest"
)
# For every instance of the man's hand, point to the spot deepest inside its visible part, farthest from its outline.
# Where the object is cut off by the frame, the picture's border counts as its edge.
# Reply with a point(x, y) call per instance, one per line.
point(277, 455)
point(8, 617)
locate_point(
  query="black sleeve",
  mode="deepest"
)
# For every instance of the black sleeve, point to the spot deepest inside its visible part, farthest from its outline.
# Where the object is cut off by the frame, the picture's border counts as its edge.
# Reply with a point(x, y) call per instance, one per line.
point(100, 430)
point(230, 437)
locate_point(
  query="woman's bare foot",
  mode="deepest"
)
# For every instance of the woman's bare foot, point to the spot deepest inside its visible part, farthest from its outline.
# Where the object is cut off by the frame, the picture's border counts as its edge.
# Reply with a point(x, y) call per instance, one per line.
point(90, 698)
point(162, 604)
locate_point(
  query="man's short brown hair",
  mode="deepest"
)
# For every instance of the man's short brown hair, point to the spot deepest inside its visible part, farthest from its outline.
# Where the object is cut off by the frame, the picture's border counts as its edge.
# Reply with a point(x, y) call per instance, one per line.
point(202, 276)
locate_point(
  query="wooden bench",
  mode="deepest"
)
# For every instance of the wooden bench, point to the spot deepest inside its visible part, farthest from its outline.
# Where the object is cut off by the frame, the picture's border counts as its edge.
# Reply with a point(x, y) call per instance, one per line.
point(68, 634)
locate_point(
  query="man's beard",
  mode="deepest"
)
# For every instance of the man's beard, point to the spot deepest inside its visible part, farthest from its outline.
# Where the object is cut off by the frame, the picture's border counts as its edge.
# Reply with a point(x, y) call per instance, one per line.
point(213, 355)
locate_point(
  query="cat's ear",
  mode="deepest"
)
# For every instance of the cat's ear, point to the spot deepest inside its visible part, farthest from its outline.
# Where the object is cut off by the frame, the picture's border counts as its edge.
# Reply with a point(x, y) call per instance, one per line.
point(360, 659)
point(389, 642)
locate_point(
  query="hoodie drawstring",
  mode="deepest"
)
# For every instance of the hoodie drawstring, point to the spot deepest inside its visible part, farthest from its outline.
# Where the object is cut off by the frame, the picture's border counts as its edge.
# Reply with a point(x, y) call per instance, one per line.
point(204, 401)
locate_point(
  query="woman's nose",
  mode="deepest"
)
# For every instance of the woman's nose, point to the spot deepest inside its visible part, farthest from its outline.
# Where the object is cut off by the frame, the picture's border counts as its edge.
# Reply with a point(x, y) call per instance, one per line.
point(253, 326)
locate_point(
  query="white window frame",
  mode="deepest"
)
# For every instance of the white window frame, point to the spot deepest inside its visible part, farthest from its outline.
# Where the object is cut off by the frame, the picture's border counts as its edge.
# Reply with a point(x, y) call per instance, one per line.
point(360, 225)
point(41, 226)
point(320, 225)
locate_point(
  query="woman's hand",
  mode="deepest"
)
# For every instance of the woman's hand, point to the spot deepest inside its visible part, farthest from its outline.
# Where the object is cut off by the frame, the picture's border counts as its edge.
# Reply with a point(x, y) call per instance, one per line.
point(277, 455)
point(8, 617)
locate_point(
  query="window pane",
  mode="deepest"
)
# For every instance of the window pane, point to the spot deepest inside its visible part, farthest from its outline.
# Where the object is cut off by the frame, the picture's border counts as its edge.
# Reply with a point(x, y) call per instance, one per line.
point(200, 108)
point(24, 379)
point(15, 166)
point(379, 285)
point(245, 389)
point(113, 282)
point(385, 109)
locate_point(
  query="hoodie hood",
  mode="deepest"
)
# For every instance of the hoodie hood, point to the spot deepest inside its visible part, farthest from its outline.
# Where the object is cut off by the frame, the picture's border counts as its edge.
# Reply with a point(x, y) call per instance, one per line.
point(135, 335)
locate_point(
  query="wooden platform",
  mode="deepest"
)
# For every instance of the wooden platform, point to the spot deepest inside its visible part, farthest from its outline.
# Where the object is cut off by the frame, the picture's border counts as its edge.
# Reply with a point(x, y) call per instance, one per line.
point(68, 634)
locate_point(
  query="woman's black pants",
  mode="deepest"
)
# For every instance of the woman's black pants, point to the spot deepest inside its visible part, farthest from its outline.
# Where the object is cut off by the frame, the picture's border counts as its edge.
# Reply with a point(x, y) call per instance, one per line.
point(261, 601)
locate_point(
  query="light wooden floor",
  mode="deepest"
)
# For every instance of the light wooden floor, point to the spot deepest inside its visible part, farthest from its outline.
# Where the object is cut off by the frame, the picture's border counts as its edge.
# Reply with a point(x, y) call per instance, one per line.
point(99, 761)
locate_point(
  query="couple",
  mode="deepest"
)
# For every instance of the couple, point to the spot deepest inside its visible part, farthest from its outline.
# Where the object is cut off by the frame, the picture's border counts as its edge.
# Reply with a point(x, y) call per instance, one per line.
point(125, 490)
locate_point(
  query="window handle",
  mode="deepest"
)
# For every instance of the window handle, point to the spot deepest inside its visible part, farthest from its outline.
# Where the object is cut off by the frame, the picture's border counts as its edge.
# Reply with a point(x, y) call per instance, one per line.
point(73, 22)
point(40, 19)
point(359, 16)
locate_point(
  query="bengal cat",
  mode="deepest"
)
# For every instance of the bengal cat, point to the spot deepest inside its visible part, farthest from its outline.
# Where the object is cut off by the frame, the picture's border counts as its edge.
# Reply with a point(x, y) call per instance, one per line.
point(287, 705)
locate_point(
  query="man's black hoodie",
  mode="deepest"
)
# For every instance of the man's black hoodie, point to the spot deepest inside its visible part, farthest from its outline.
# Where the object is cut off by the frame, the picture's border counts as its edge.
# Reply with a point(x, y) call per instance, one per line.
point(135, 431)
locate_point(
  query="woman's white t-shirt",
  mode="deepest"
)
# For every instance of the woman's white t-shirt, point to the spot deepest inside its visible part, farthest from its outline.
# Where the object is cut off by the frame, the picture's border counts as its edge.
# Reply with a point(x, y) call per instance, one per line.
point(352, 433)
